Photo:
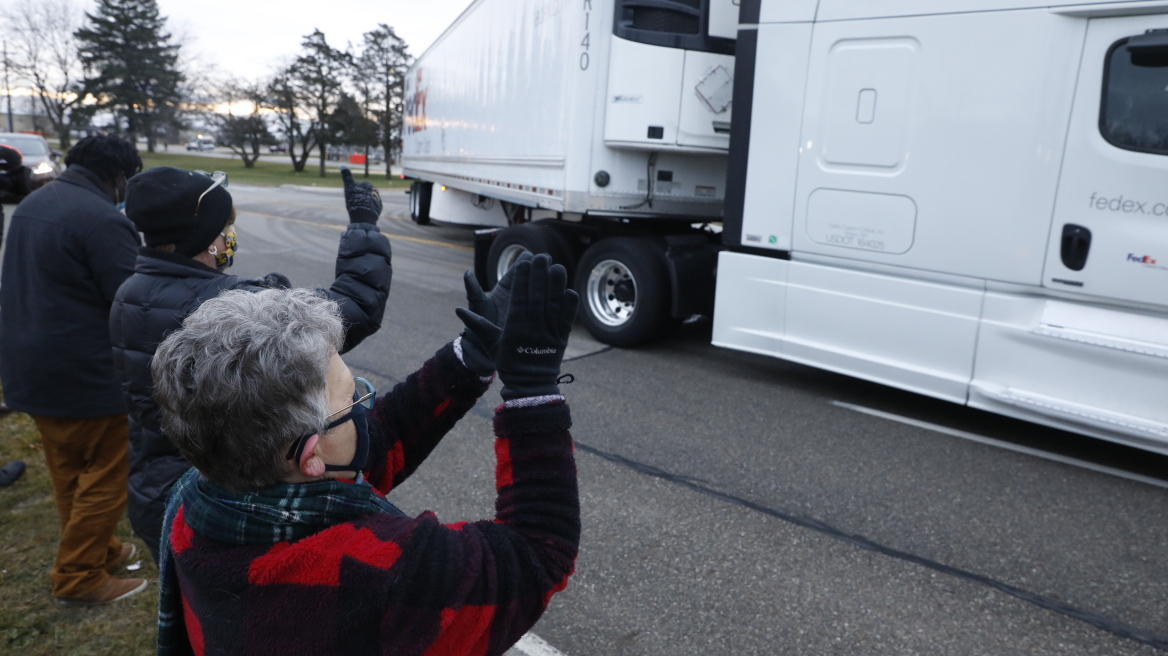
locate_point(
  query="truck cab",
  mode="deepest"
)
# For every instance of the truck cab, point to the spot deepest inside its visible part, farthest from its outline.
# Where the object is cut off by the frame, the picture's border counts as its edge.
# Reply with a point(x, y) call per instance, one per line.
point(959, 200)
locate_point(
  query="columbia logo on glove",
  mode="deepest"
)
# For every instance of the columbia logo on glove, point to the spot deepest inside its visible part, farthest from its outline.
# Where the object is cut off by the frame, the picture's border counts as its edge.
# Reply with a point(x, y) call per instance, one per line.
point(531, 350)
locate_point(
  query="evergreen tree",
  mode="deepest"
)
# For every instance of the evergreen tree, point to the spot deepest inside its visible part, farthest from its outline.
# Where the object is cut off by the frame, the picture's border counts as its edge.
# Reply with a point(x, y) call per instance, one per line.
point(131, 65)
point(349, 125)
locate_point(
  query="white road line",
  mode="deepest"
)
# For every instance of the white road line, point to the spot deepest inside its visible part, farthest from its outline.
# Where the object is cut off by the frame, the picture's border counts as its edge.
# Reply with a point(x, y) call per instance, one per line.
point(533, 645)
point(1004, 445)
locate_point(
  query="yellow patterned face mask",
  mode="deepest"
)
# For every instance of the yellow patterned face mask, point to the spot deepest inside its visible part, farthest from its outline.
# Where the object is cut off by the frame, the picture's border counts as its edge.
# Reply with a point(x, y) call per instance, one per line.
point(227, 257)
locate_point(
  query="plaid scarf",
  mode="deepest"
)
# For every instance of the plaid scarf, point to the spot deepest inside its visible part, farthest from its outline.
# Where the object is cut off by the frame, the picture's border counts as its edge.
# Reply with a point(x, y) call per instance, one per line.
point(282, 513)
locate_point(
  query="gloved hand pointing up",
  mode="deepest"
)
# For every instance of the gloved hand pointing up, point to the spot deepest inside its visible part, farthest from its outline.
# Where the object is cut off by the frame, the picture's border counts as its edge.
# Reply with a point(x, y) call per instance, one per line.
point(362, 199)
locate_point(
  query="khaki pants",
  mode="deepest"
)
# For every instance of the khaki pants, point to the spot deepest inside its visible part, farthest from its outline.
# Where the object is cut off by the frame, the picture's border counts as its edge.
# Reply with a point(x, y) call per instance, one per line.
point(90, 465)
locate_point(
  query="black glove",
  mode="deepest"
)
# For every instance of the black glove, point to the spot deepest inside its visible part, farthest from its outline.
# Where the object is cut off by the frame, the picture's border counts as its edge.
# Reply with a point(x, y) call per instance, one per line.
point(535, 336)
point(493, 306)
point(277, 281)
point(479, 341)
point(361, 199)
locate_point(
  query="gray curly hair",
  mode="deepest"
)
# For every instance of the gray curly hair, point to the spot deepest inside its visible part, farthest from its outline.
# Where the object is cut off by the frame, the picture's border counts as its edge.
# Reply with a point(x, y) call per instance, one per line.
point(243, 378)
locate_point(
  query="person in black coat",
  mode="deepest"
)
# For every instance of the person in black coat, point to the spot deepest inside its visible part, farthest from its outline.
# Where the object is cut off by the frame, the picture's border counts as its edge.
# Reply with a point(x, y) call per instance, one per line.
point(67, 251)
point(11, 167)
point(187, 220)
point(11, 178)
point(11, 182)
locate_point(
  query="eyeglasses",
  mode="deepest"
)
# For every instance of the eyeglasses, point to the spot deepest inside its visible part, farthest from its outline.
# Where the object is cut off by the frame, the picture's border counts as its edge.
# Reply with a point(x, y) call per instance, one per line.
point(219, 178)
point(363, 394)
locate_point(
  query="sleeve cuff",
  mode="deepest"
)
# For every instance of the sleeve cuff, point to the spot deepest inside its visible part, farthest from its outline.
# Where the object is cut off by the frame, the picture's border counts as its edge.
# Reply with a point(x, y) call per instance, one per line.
point(457, 344)
point(532, 401)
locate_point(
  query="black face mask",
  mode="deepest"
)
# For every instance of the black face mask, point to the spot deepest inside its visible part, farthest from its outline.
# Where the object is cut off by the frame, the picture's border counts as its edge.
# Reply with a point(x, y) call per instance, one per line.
point(361, 422)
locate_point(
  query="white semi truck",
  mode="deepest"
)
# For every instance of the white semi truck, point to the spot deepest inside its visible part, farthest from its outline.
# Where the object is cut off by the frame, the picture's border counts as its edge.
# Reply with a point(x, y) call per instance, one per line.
point(966, 199)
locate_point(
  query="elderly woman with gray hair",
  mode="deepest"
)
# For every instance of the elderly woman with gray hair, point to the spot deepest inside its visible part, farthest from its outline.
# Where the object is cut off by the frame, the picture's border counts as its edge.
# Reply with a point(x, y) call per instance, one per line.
point(280, 539)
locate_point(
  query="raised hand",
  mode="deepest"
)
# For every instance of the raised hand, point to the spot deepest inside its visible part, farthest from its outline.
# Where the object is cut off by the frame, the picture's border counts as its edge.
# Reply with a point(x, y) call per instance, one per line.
point(362, 199)
point(493, 306)
point(535, 334)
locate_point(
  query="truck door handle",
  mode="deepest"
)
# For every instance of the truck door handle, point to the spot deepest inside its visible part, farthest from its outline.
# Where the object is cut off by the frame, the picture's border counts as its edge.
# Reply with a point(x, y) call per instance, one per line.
point(1076, 244)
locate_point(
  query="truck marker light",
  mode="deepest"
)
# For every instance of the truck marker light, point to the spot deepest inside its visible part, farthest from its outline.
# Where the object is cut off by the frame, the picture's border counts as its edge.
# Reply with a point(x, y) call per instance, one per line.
point(443, 188)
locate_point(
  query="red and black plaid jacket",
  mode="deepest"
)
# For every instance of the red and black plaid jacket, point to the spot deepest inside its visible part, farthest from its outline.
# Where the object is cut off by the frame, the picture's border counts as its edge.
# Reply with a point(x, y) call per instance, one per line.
point(391, 584)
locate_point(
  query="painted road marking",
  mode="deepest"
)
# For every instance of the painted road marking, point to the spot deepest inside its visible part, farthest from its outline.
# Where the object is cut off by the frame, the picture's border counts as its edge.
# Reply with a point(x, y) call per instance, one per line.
point(533, 645)
point(334, 226)
point(980, 439)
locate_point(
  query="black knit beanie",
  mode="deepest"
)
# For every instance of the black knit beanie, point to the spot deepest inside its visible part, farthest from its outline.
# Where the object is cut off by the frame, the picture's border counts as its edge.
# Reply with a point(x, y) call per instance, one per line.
point(161, 202)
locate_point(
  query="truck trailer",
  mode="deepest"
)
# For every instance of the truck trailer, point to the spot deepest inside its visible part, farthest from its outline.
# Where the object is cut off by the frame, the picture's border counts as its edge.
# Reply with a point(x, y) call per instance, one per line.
point(963, 199)
point(593, 130)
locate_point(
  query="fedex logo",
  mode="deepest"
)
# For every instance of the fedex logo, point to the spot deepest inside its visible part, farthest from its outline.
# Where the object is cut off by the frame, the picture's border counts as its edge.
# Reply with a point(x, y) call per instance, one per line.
point(1146, 259)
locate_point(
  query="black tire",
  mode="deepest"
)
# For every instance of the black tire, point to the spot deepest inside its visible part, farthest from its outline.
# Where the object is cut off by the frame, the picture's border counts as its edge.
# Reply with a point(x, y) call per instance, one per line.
point(624, 291)
point(536, 238)
point(420, 201)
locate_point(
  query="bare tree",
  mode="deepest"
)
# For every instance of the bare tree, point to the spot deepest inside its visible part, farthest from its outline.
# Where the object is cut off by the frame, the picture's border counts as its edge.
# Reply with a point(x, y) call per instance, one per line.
point(297, 126)
point(365, 82)
point(47, 56)
point(317, 76)
point(382, 64)
point(247, 132)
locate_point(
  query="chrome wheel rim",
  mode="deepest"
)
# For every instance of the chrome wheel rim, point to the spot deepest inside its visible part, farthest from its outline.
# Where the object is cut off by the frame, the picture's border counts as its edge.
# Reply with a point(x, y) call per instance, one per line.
point(507, 258)
point(612, 293)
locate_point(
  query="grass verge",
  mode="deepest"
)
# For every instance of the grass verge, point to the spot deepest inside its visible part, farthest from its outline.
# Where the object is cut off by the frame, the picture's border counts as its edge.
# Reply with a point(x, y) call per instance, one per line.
point(32, 623)
point(266, 173)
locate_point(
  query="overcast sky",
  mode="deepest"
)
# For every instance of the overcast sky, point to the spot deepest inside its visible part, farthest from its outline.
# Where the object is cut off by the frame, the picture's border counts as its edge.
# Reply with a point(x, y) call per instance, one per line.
point(247, 38)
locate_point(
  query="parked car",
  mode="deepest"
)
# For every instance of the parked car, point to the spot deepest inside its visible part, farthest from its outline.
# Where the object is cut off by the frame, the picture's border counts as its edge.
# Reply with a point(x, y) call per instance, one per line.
point(40, 161)
point(278, 148)
point(201, 143)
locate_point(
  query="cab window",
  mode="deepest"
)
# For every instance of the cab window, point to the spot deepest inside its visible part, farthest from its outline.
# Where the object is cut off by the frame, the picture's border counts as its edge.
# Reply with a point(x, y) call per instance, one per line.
point(1134, 115)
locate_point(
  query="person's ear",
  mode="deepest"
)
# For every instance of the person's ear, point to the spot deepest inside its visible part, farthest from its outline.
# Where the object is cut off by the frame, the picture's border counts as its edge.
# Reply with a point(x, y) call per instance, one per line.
point(311, 464)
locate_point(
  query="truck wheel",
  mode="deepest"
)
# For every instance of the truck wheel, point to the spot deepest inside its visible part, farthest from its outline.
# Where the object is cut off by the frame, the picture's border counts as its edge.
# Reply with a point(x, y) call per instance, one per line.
point(512, 242)
point(420, 201)
point(624, 291)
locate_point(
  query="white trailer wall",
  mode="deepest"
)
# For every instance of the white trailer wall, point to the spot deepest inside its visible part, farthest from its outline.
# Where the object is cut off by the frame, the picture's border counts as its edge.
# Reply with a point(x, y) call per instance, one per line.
point(483, 104)
point(514, 101)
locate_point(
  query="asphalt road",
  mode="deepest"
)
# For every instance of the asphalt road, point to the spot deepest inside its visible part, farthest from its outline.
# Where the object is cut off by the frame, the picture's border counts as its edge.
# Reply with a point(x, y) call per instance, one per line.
point(732, 505)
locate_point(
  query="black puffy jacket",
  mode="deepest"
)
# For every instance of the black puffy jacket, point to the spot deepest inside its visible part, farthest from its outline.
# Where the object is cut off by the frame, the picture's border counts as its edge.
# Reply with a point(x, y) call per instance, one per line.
point(153, 302)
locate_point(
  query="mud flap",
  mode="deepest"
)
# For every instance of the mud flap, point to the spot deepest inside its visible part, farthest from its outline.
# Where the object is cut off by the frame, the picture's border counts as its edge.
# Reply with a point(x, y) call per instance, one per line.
point(693, 262)
point(482, 248)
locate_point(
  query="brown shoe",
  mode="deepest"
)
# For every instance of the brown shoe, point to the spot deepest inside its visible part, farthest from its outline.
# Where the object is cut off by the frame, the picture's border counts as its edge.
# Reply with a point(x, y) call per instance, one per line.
point(128, 551)
point(114, 589)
